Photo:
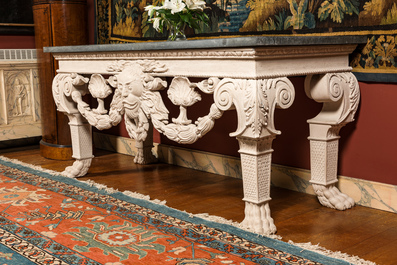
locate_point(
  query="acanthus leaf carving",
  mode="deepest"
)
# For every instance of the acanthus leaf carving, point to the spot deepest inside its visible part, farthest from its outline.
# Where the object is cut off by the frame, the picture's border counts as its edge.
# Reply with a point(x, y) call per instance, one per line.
point(148, 66)
point(261, 101)
point(256, 107)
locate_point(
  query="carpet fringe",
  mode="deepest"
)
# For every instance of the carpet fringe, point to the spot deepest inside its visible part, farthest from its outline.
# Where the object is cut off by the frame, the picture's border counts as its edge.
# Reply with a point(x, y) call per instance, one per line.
point(15, 161)
point(89, 182)
point(305, 246)
point(333, 254)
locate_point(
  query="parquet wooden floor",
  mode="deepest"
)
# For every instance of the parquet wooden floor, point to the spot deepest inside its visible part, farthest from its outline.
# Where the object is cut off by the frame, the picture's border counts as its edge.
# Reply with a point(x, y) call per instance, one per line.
point(361, 231)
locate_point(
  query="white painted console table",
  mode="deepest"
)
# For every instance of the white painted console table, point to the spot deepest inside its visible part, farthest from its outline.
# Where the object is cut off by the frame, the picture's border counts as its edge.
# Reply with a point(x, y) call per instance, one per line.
point(247, 74)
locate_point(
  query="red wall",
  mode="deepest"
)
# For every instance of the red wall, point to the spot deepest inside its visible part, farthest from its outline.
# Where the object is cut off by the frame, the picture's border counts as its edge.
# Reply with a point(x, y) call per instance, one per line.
point(91, 21)
point(367, 147)
point(16, 42)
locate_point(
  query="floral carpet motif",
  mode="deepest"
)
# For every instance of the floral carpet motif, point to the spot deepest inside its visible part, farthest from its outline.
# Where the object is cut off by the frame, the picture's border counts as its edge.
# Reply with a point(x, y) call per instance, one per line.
point(50, 219)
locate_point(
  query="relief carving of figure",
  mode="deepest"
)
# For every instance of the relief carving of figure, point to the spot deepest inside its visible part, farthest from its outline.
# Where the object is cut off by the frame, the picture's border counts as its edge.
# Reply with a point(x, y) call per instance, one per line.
point(18, 99)
point(20, 95)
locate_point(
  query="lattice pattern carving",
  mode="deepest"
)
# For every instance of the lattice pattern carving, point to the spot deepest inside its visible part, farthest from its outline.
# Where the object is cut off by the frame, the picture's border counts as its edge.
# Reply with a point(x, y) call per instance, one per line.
point(324, 161)
point(256, 174)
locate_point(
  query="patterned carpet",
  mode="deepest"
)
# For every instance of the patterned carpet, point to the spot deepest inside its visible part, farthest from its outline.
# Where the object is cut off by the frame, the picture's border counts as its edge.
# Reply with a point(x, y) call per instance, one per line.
point(50, 219)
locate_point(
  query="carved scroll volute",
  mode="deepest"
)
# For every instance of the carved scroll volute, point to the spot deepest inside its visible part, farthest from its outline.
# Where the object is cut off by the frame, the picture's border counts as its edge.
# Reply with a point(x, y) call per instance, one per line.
point(226, 95)
point(281, 94)
point(340, 94)
point(62, 88)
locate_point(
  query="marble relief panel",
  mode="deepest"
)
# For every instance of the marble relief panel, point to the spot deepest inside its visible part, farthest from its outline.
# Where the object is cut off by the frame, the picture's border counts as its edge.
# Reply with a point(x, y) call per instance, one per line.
point(20, 103)
point(19, 94)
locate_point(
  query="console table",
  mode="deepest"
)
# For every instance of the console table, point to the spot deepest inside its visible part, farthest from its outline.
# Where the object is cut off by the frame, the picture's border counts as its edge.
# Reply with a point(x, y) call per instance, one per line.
point(245, 74)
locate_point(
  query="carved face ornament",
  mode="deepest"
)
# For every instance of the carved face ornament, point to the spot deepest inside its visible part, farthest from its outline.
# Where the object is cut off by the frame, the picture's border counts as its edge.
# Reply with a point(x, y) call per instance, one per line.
point(129, 81)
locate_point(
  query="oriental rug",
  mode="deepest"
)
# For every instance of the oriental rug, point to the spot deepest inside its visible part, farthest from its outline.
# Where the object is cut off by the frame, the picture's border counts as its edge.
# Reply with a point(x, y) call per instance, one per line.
point(50, 219)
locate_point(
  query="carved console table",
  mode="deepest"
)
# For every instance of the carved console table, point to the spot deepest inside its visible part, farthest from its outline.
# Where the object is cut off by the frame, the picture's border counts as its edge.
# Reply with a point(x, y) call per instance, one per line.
point(247, 74)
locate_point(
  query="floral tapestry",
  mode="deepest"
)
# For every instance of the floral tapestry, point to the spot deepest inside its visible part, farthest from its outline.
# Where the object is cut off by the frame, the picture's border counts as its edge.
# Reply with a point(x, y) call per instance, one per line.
point(126, 21)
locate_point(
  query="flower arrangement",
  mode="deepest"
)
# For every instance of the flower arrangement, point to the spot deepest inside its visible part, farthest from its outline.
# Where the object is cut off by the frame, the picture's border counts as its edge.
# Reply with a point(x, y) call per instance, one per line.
point(174, 15)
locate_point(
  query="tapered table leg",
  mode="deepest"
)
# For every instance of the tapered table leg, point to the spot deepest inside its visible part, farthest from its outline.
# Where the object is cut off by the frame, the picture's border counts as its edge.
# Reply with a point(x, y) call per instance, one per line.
point(256, 157)
point(64, 85)
point(255, 102)
point(81, 132)
point(340, 95)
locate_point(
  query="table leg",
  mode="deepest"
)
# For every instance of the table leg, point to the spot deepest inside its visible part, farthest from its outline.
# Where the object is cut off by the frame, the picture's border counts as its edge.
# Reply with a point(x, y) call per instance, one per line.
point(144, 148)
point(255, 102)
point(256, 157)
point(64, 85)
point(81, 133)
point(340, 95)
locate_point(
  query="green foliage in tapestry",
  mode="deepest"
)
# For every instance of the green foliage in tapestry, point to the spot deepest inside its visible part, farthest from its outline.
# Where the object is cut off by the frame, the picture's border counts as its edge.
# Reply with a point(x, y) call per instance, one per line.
point(277, 24)
point(300, 17)
point(379, 53)
point(336, 9)
point(391, 17)
point(126, 18)
point(102, 22)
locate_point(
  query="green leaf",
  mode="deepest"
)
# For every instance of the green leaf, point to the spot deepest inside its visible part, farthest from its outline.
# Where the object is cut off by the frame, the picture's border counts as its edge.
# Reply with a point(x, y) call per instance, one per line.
point(337, 9)
point(310, 21)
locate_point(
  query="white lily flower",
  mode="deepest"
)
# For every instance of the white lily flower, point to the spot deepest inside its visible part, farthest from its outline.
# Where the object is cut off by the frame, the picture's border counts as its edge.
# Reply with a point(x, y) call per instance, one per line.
point(195, 4)
point(151, 9)
point(156, 23)
point(174, 5)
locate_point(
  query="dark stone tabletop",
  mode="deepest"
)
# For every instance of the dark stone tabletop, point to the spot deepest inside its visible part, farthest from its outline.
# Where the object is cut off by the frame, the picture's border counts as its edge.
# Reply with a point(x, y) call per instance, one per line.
point(235, 42)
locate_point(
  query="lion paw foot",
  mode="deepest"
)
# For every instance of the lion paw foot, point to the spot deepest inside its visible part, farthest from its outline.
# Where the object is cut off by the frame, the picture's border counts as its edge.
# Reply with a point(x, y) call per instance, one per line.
point(331, 197)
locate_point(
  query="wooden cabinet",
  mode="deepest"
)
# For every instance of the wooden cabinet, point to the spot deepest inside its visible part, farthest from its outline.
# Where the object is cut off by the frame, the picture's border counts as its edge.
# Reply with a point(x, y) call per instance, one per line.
point(57, 23)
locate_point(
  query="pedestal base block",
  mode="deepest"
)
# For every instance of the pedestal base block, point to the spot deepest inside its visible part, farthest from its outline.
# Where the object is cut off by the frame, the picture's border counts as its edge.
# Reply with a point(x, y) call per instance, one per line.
point(57, 152)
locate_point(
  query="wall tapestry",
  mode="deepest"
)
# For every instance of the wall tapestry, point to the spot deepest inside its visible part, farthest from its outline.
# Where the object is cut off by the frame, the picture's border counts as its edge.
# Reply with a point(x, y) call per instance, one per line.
point(120, 21)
